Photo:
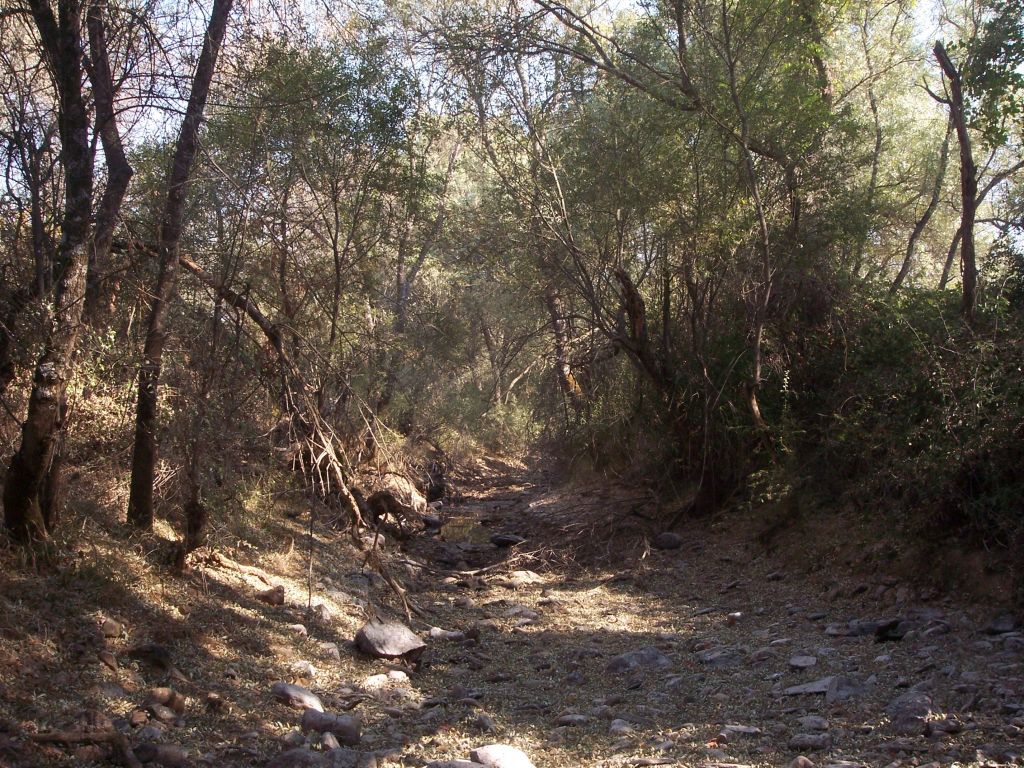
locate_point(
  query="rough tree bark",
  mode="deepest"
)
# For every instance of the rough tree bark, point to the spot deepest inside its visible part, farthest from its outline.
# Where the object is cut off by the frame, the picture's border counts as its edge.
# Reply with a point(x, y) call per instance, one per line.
point(560, 333)
point(119, 172)
point(968, 184)
point(144, 454)
point(25, 514)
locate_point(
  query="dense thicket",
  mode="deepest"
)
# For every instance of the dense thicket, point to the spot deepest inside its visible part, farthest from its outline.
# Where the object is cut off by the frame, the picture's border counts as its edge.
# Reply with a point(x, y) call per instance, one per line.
point(757, 251)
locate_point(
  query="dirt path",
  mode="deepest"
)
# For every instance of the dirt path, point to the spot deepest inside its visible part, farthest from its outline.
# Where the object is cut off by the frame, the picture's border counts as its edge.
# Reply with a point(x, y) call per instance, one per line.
point(578, 646)
point(718, 646)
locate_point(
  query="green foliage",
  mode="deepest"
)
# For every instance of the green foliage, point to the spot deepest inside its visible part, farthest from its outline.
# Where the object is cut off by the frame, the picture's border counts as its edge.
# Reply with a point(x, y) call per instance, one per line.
point(993, 72)
point(925, 421)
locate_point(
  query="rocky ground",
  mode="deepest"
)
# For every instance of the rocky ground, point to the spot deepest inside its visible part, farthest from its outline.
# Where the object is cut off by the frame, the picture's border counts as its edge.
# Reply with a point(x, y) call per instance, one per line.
point(563, 626)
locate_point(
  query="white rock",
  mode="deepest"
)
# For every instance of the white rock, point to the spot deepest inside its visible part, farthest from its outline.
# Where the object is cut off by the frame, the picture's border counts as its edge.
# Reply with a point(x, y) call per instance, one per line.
point(501, 756)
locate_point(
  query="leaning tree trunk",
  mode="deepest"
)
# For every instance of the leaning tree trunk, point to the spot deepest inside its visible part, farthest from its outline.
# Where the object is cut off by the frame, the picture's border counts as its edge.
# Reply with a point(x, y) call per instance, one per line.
point(24, 514)
point(144, 454)
point(933, 203)
point(968, 185)
point(119, 172)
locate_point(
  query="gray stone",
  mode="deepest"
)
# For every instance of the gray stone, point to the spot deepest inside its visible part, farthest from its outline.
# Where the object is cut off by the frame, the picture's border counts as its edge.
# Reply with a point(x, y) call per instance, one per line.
point(165, 755)
point(803, 662)
point(501, 756)
point(842, 688)
point(454, 764)
point(815, 687)
point(572, 719)
point(296, 696)
point(1002, 625)
point(667, 540)
point(436, 633)
point(345, 728)
point(329, 741)
point(731, 733)
point(331, 651)
point(909, 713)
point(761, 655)
point(389, 640)
point(620, 728)
point(813, 723)
point(810, 742)
point(642, 659)
point(720, 658)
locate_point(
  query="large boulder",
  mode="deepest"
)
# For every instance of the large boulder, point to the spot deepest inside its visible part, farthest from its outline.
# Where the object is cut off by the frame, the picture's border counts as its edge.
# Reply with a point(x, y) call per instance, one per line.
point(389, 640)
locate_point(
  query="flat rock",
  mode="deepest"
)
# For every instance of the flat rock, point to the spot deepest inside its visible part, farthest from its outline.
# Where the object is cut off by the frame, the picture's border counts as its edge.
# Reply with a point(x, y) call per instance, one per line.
point(572, 719)
point(810, 742)
point(296, 696)
point(454, 764)
point(803, 662)
point(388, 640)
point(642, 659)
point(667, 540)
point(732, 733)
point(166, 755)
point(813, 723)
point(819, 686)
point(842, 688)
point(519, 579)
point(436, 633)
point(1002, 625)
point(501, 756)
point(720, 657)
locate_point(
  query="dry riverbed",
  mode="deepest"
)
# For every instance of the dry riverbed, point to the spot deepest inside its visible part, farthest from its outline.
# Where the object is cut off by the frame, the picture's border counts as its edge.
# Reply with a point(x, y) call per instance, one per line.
point(584, 639)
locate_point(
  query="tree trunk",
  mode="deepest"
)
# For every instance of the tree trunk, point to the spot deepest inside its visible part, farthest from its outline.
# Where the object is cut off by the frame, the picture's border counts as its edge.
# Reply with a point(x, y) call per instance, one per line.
point(968, 185)
point(119, 172)
point(560, 332)
point(919, 227)
point(144, 454)
point(947, 266)
point(24, 513)
point(16, 303)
